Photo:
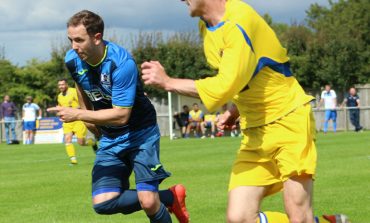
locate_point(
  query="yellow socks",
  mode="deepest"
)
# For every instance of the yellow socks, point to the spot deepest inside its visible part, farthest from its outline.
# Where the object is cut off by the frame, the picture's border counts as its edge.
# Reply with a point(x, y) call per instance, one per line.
point(273, 217)
point(277, 217)
point(71, 152)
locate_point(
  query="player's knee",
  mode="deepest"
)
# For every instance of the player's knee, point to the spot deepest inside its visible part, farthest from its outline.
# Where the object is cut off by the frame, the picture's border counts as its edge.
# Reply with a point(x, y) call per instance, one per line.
point(110, 207)
point(105, 207)
point(148, 203)
point(296, 219)
point(240, 217)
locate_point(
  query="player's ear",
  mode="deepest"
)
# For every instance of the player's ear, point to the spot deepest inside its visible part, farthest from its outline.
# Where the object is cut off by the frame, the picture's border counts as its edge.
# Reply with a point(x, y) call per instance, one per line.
point(98, 37)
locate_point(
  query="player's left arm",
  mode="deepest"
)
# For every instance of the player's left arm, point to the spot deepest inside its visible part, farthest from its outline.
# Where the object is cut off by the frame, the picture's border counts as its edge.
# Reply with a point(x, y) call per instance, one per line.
point(358, 102)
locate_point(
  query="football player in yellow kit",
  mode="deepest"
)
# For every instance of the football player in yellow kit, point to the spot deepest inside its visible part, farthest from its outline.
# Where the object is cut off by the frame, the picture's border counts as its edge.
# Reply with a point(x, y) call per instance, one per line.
point(278, 147)
point(68, 98)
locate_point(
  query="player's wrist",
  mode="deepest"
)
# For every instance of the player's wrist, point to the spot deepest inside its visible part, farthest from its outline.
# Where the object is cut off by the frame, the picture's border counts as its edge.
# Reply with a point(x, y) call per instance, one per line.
point(168, 84)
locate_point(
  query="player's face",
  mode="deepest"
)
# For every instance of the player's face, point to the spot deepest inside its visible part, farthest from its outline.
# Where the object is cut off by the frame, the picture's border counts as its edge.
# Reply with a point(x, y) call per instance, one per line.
point(62, 85)
point(195, 107)
point(327, 88)
point(195, 7)
point(84, 44)
point(352, 91)
point(6, 98)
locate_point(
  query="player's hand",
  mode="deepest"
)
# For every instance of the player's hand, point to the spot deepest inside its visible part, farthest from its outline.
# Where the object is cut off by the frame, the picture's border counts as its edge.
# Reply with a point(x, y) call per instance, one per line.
point(65, 114)
point(154, 74)
point(225, 120)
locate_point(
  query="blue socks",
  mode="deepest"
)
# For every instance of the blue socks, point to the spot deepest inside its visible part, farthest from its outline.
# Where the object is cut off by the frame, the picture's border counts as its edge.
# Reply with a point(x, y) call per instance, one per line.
point(128, 202)
point(162, 216)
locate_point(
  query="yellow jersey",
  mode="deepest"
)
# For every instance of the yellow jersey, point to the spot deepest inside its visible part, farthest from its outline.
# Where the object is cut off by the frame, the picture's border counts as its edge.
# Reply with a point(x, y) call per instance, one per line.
point(70, 99)
point(253, 68)
point(196, 115)
point(210, 118)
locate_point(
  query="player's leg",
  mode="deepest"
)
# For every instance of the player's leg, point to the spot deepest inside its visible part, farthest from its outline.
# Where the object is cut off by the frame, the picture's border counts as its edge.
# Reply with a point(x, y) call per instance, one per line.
point(70, 149)
point(28, 137)
point(244, 204)
point(31, 130)
point(188, 129)
point(12, 128)
point(80, 131)
point(334, 118)
point(7, 131)
point(149, 172)
point(298, 199)
point(203, 128)
point(326, 121)
point(111, 192)
point(213, 129)
point(352, 118)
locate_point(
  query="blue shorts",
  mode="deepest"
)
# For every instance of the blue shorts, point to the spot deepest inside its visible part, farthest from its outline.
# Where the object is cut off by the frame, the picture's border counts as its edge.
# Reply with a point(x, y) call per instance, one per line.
point(330, 114)
point(116, 158)
point(31, 125)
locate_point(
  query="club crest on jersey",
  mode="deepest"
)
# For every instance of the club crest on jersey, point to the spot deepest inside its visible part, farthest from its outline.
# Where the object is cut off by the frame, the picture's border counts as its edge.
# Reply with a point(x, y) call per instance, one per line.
point(105, 79)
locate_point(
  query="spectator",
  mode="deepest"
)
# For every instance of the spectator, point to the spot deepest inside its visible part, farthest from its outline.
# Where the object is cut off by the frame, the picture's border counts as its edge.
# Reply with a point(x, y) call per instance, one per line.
point(352, 101)
point(195, 119)
point(8, 110)
point(29, 116)
point(210, 123)
point(329, 98)
point(182, 119)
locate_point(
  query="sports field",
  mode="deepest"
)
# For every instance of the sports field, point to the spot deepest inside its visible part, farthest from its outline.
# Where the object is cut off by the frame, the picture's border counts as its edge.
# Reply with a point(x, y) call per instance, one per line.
point(37, 184)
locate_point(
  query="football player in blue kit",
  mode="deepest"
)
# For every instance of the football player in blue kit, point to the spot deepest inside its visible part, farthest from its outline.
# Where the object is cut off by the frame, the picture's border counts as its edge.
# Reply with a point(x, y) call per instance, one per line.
point(113, 104)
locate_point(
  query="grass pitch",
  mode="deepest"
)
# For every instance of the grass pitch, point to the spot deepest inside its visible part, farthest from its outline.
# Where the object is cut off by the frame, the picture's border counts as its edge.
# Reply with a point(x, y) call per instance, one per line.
point(37, 184)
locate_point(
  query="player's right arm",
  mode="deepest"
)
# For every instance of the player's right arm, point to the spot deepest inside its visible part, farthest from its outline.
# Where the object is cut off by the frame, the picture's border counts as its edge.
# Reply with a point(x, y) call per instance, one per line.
point(124, 83)
point(236, 68)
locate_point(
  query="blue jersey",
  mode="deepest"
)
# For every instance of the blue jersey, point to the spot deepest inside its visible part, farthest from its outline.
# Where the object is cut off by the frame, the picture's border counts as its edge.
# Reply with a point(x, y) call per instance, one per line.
point(114, 82)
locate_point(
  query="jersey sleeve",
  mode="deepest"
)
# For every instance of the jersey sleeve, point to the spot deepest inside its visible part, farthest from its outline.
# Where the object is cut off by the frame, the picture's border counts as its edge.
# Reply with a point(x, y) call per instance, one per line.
point(124, 81)
point(236, 68)
point(322, 95)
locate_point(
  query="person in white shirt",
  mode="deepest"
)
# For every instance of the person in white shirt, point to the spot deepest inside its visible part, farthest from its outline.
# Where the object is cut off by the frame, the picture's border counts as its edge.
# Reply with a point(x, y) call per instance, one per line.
point(29, 116)
point(329, 98)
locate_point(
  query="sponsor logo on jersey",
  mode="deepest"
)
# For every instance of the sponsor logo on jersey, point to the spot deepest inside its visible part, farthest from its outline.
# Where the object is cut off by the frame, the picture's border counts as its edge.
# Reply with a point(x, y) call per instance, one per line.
point(82, 72)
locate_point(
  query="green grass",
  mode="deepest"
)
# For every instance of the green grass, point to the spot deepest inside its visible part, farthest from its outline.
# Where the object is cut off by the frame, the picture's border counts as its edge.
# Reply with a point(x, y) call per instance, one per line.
point(37, 184)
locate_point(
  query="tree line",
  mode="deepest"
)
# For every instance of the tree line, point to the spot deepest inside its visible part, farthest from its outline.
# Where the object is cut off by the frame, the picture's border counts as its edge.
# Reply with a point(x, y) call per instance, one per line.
point(331, 46)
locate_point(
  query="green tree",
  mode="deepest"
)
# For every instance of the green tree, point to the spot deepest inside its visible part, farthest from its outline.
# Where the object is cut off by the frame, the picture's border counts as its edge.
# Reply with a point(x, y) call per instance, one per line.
point(340, 49)
point(181, 54)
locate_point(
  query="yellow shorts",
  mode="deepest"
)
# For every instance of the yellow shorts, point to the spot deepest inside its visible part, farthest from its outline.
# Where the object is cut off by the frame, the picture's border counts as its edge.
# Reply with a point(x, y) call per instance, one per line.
point(272, 153)
point(77, 127)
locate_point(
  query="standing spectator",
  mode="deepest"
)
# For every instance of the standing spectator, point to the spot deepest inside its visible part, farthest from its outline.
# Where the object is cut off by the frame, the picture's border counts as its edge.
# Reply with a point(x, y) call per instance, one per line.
point(352, 101)
point(29, 116)
point(329, 98)
point(8, 110)
point(182, 119)
point(195, 119)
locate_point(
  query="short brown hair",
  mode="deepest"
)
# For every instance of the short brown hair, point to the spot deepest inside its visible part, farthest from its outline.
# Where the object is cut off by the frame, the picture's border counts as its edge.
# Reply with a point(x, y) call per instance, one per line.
point(93, 22)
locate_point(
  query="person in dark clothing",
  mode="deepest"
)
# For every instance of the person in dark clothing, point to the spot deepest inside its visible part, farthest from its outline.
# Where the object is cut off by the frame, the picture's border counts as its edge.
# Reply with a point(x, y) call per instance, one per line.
point(182, 119)
point(352, 101)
